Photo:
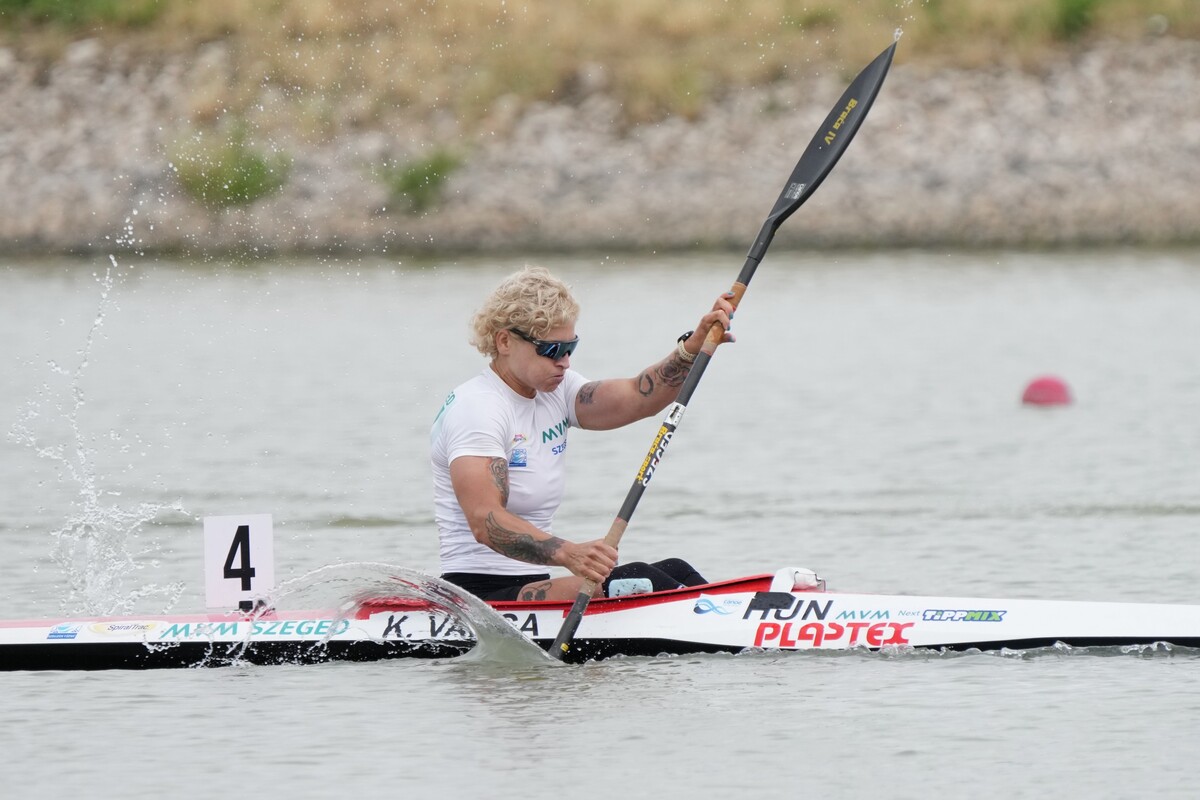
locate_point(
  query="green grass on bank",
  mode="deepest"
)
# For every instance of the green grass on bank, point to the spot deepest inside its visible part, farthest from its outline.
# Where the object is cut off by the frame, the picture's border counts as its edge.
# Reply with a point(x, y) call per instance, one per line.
point(334, 63)
point(417, 184)
point(79, 14)
point(225, 171)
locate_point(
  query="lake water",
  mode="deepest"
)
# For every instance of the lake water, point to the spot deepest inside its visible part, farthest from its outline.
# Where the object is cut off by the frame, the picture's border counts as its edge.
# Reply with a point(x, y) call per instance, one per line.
point(866, 425)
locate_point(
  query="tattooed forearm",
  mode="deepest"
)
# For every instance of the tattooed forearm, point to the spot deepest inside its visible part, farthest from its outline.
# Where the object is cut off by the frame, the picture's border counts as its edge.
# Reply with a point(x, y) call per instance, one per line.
point(499, 470)
point(645, 384)
point(521, 546)
point(673, 371)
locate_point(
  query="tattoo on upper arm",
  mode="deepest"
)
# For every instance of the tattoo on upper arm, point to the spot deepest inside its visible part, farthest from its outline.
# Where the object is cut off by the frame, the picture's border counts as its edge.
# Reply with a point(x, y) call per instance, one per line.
point(499, 469)
point(521, 546)
point(587, 395)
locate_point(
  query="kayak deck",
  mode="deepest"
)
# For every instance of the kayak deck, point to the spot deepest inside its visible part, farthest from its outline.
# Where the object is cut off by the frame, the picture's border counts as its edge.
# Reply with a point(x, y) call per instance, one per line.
point(785, 611)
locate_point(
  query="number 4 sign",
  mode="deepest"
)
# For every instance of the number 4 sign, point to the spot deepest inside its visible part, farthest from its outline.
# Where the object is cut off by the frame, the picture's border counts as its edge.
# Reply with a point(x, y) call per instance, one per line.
point(239, 560)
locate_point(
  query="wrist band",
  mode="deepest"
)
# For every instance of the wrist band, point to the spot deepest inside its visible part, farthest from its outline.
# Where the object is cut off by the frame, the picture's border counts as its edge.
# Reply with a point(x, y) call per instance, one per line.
point(682, 352)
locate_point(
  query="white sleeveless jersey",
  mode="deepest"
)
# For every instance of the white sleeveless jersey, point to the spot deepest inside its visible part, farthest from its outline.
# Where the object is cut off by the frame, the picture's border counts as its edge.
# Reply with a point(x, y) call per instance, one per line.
point(485, 417)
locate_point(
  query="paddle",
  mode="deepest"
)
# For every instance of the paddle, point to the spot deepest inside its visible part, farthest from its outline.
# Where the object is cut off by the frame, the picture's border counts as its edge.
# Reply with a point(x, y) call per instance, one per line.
point(826, 147)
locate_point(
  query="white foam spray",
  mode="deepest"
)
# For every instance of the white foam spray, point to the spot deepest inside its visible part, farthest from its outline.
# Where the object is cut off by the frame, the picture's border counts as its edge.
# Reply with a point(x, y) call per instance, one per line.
point(97, 545)
point(348, 586)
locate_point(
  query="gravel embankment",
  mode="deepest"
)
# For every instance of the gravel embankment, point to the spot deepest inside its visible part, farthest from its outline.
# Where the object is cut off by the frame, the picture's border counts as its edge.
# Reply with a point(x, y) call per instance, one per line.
point(1102, 146)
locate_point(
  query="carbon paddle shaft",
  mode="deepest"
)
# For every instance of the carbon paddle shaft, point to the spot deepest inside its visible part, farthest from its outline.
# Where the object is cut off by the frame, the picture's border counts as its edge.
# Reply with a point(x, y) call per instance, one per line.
point(826, 147)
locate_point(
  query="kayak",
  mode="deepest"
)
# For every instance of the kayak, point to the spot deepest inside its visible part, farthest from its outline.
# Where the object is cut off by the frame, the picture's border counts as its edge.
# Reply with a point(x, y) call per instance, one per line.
point(789, 610)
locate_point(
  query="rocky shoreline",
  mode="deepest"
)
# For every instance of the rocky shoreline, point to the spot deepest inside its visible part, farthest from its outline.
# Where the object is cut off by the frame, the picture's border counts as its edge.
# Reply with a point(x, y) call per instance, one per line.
point(1101, 146)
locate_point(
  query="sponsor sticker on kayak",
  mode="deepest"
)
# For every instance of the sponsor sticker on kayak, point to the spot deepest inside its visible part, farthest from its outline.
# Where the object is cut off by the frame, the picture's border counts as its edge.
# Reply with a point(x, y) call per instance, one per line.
point(963, 615)
point(259, 629)
point(788, 621)
point(785, 606)
point(65, 630)
point(717, 605)
point(123, 628)
point(818, 634)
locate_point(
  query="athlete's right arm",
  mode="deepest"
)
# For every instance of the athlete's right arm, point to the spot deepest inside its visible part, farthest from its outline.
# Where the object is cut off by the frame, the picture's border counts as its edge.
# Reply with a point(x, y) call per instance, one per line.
point(481, 486)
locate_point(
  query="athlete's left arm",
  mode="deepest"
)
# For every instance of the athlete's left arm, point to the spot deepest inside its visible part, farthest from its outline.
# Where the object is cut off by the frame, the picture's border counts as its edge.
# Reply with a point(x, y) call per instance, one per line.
point(607, 404)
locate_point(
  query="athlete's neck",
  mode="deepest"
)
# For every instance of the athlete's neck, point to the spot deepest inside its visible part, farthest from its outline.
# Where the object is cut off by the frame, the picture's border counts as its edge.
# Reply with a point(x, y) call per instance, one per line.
point(511, 381)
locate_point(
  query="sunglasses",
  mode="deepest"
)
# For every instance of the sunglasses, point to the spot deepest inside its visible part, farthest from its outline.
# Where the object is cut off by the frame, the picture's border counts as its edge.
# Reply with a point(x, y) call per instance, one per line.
point(551, 350)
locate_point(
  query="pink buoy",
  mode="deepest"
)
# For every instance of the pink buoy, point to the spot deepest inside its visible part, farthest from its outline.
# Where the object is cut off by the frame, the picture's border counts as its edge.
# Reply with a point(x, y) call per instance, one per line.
point(1046, 391)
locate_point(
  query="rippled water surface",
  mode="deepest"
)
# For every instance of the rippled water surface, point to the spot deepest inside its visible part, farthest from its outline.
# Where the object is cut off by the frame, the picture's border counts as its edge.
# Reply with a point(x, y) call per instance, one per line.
point(866, 425)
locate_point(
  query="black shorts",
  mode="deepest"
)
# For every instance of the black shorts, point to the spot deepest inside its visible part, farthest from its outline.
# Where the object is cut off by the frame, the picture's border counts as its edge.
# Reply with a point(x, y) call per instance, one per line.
point(493, 587)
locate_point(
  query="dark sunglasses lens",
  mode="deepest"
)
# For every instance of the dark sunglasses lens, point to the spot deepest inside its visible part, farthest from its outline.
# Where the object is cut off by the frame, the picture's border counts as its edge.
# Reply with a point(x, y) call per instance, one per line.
point(556, 350)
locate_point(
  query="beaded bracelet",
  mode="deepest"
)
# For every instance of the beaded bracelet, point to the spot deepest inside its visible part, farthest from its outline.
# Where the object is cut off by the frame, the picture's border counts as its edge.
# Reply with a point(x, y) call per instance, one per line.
point(682, 352)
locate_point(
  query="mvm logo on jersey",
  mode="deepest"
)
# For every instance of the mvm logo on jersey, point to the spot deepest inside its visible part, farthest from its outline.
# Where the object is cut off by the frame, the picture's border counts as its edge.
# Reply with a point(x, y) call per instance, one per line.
point(555, 431)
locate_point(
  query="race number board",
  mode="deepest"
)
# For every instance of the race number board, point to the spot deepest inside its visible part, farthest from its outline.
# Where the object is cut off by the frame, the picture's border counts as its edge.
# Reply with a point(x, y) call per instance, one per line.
point(239, 560)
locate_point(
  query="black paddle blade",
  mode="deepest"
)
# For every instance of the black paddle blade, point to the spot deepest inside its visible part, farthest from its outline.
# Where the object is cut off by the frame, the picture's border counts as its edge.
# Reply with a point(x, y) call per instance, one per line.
point(827, 145)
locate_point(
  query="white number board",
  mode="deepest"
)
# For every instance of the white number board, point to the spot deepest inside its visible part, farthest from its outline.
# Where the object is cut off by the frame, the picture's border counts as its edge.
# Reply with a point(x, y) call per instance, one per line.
point(239, 560)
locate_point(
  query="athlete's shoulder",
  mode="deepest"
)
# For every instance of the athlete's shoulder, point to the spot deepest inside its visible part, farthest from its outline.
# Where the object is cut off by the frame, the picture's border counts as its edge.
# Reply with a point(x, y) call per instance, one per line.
point(469, 404)
point(481, 388)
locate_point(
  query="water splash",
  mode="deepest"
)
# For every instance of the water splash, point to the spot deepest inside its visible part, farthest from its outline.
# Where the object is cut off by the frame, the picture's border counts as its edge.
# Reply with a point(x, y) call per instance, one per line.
point(349, 586)
point(94, 546)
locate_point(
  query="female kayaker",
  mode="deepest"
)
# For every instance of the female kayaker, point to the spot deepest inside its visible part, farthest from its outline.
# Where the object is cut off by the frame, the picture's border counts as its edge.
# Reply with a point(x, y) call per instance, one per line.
point(499, 446)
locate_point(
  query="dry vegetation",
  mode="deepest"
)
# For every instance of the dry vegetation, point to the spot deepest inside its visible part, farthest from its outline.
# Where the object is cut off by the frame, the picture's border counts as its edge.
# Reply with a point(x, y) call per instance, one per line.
point(475, 58)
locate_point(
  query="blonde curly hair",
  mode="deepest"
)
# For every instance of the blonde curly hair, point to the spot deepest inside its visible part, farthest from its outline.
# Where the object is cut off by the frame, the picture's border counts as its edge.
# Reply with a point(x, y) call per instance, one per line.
point(531, 300)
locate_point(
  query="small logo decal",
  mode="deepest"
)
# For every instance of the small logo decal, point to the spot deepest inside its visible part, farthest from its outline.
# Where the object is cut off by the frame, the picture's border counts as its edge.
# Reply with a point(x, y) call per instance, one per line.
point(794, 191)
point(963, 615)
point(65, 630)
point(706, 606)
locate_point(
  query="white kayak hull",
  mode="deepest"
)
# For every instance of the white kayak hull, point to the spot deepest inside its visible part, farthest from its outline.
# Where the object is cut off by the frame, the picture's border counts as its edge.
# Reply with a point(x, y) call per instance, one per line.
point(746, 614)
